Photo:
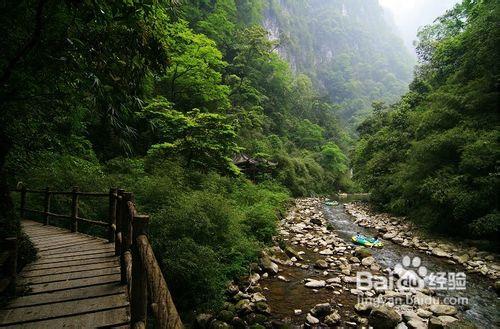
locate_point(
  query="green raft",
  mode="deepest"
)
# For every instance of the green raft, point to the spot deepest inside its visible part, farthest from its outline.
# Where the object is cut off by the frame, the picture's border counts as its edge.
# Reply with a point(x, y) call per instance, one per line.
point(330, 203)
point(367, 242)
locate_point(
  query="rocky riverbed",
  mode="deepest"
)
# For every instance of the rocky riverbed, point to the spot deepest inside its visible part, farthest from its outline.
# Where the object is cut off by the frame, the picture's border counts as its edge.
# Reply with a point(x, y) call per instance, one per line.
point(402, 232)
point(308, 279)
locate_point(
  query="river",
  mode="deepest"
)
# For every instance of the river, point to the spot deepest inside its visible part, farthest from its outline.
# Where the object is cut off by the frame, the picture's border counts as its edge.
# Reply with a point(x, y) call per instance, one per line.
point(483, 303)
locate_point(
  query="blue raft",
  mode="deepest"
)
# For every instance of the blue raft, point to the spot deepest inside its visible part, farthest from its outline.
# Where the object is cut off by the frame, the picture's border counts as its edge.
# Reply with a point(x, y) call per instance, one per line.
point(367, 242)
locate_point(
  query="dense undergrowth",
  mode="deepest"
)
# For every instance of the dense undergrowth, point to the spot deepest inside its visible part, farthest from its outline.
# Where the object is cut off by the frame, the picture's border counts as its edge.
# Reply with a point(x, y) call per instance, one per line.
point(434, 155)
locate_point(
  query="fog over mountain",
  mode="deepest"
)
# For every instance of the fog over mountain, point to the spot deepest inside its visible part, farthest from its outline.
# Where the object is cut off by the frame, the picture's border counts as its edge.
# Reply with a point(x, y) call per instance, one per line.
point(410, 15)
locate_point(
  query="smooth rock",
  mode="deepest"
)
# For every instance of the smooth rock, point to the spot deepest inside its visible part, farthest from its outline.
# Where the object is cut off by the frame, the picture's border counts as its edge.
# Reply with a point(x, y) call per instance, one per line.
point(435, 323)
point(268, 265)
point(321, 264)
point(424, 313)
point(332, 319)
point(258, 297)
point(311, 319)
point(321, 309)
point(439, 252)
point(363, 308)
point(254, 278)
point(416, 324)
point(311, 283)
point(441, 309)
point(362, 252)
point(293, 253)
point(446, 319)
point(401, 325)
point(326, 252)
point(243, 306)
point(367, 261)
point(383, 317)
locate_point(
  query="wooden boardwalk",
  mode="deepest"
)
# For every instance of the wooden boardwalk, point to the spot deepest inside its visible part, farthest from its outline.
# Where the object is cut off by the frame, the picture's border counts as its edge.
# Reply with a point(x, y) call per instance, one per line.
point(74, 283)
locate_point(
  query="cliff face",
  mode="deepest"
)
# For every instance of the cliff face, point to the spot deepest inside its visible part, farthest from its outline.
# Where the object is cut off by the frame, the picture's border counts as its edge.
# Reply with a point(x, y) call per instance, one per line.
point(347, 47)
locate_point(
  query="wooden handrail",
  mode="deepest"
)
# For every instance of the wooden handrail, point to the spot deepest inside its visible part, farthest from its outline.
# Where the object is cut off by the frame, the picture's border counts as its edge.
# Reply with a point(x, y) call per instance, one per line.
point(140, 271)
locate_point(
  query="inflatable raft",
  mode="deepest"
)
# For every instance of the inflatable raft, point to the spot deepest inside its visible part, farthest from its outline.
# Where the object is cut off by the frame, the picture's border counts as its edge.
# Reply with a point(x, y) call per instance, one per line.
point(367, 242)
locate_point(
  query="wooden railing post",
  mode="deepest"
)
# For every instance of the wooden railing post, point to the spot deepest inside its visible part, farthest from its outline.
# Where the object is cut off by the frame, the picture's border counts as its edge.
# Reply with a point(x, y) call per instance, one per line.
point(126, 226)
point(139, 295)
point(46, 208)
point(23, 201)
point(119, 236)
point(11, 245)
point(112, 214)
point(74, 209)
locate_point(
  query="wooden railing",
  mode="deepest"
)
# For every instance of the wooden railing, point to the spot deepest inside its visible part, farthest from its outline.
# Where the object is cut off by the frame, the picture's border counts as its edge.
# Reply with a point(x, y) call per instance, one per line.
point(146, 286)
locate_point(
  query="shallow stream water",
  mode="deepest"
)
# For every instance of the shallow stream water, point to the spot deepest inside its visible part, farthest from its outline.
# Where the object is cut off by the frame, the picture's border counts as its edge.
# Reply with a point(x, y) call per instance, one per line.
point(483, 307)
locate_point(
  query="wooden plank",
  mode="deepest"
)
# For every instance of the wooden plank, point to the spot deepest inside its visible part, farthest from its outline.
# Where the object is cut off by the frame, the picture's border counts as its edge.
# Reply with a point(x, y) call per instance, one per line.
point(65, 242)
point(67, 295)
point(43, 235)
point(79, 244)
point(59, 241)
point(65, 264)
point(57, 236)
point(69, 276)
point(70, 269)
point(61, 309)
point(44, 229)
point(102, 318)
point(52, 260)
point(79, 253)
point(105, 247)
point(72, 284)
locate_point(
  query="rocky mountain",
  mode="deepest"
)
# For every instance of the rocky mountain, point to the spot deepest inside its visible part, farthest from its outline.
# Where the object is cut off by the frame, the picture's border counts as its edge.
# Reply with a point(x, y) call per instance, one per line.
point(348, 48)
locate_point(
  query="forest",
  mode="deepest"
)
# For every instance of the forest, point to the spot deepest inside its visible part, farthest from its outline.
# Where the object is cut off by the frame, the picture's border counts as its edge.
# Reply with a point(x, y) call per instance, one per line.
point(159, 98)
point(434, 154)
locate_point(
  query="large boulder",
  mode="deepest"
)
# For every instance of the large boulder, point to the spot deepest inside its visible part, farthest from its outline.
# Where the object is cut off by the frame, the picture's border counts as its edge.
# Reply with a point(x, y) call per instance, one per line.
point(383, 317)
point(439, 252)
point(363, 308)
point(262, 307)
point(362, 252)
point(367, 261)
point(293, 253)
point(244, 306)
point(424, 313)
point(447, 320)
point(332, 319)
point(321, 309)
point(226, 316)
point(417, 324)
point(268, 265)
point(441, 309)
point(321, 264)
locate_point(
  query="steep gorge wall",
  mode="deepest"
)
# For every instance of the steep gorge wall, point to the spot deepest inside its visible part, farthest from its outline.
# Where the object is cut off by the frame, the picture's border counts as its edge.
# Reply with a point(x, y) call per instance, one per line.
point(348, 48)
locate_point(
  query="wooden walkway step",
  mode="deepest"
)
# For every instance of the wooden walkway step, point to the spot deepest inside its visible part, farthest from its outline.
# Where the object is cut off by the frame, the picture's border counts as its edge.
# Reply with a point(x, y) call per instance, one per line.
point(74, 283)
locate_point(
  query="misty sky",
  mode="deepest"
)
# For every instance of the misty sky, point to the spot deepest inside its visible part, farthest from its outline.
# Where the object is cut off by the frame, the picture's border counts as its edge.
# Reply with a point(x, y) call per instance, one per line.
point(409, 15)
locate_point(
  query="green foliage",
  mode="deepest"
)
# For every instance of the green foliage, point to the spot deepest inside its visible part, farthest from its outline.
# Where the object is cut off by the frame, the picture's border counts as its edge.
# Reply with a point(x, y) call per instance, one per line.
point(157, 98)
point(205, 140)
point(434, 155)
point(347, 48)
